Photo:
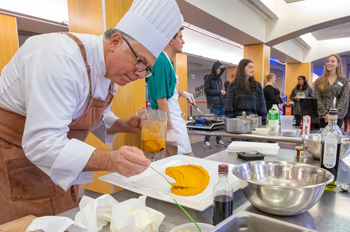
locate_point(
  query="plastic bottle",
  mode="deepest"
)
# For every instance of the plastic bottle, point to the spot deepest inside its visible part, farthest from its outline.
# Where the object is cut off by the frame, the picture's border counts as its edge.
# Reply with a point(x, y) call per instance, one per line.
point(223, 196)
point(274, 119)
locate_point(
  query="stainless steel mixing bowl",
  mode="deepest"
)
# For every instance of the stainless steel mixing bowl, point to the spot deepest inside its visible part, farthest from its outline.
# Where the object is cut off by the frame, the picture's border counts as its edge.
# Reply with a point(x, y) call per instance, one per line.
point(312, 144)
point(282, 188)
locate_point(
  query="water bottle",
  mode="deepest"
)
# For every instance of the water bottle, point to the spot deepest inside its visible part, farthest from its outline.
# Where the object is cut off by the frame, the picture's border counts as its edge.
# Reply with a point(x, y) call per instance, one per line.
point(223, 196)
point(274, 119)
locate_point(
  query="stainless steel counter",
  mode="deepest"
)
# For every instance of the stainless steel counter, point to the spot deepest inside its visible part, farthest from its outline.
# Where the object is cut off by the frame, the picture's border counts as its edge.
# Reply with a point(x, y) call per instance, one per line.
point(274, 138)
point(331, 213)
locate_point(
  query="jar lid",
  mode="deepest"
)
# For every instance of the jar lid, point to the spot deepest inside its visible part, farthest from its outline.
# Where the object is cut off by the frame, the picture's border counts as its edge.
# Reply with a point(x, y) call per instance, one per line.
point(223, 169)
point(333, 111)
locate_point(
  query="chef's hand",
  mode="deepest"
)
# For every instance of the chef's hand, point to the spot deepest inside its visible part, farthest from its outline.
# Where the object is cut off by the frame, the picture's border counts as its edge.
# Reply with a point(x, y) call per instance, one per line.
point(128, 161)
point(171, 138)
point(189, 97)
point(325, 118)
point(133, 124)
point(223, 92)
point(280, 106)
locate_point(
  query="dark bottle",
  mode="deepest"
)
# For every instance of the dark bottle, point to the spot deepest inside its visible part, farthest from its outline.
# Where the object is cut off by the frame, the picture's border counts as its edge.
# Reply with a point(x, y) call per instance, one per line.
point(223, 196)
point(331, 145)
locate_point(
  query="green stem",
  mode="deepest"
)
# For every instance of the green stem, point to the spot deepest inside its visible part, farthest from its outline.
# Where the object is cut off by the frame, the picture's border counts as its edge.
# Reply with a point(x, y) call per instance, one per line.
point(199, 229)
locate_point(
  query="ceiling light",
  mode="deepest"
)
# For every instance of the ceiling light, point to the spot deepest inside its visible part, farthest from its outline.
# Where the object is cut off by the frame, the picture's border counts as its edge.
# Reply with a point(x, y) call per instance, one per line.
point(184, 24)
point(202, 31)
point(230, 42)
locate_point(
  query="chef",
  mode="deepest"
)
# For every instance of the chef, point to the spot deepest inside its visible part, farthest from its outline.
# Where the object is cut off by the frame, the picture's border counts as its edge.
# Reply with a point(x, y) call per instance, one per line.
point(164, 94)
point(55, 90)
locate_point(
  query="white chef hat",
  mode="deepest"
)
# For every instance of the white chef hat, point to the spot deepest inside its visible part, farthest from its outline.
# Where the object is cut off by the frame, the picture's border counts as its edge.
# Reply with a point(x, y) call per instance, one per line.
point(153, 23)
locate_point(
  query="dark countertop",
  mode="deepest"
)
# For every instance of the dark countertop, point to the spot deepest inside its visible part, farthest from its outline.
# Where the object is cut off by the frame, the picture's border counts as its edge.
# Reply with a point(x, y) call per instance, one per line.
point(331, 213)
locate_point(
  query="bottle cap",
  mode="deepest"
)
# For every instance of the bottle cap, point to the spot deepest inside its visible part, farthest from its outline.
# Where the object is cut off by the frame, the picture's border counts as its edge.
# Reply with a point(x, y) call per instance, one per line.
point(223, 169)
point(333, 111)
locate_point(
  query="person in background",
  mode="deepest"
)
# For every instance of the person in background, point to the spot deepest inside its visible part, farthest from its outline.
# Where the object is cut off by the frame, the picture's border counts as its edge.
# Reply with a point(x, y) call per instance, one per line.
point(215, 97)
point(302, 90)
point(332, 84)
point(245, 93)
point(163, 92)
point(271, 93)
point(347, 118)
point(226, 84)
point(55, 90)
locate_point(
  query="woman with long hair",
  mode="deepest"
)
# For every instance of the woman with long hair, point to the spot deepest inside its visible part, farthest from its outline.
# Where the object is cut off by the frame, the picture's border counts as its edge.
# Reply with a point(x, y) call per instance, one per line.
point(347, 118)
point(271, 92)
point(332, 84)
point(301, 90)
point(245, 93)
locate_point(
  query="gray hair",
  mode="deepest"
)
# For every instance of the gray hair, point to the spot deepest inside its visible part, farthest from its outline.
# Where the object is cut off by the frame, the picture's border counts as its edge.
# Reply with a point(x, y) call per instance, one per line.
point(110, 32)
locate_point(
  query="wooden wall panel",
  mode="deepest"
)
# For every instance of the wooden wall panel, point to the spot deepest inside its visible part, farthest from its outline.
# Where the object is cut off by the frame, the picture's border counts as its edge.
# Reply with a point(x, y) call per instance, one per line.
point(85, 16)
point(127, 102)
point(180, 63)
point(260, 55)
point(115, 10)
point(8, 39)
point(294, 70)
point(230, 71)
point(266, 58)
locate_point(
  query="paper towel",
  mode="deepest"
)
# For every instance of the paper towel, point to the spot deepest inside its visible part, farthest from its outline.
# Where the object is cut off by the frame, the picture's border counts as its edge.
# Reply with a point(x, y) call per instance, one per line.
point(133, 215)
point(93, 215)
point(130, 215)
point(264, 148)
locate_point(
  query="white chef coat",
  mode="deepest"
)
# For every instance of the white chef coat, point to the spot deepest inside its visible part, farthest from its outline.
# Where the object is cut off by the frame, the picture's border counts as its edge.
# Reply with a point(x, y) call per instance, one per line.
point(47, 82)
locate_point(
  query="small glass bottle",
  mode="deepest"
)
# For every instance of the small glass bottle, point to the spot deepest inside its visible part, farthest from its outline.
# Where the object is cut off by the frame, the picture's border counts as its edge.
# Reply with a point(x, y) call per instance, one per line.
point(223, 196)
point(331, 146)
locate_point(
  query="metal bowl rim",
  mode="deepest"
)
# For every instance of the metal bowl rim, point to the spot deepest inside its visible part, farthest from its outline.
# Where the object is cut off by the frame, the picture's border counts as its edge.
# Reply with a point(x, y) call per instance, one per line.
point(284, 162)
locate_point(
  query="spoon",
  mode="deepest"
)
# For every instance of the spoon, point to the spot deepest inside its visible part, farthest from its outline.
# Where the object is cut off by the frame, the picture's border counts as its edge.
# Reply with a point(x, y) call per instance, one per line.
point(198, 109)
point(172, 184)
point(345, 187)
point(199, 229)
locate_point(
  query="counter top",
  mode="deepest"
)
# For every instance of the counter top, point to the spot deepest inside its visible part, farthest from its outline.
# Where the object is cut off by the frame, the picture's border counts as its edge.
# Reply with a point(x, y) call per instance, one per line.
point(273, 138)
point(331, 213)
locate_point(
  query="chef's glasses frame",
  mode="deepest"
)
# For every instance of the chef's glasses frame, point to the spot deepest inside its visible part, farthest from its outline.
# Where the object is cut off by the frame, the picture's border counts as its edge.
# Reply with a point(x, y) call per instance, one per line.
point(140, 66)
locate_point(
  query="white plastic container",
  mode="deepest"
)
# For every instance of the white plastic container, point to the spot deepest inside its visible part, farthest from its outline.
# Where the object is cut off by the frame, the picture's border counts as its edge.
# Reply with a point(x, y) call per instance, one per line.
point(262, 131)
point(286, 122)
point(306, 125)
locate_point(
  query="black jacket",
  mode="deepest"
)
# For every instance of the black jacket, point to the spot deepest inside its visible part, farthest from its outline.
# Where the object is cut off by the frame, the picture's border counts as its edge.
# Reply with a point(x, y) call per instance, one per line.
point(213, 87)
point(272, 96)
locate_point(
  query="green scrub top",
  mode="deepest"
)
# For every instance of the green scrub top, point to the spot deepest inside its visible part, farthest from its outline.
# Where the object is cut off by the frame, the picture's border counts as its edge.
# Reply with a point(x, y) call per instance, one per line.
point(162, 82)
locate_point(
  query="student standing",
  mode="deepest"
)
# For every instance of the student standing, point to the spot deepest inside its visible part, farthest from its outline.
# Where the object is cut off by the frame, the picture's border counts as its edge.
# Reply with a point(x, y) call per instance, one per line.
point(332, 84)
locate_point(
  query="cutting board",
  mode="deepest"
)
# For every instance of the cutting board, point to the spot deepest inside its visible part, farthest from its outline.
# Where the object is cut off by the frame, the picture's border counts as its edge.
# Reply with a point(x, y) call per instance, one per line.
point(19, 225)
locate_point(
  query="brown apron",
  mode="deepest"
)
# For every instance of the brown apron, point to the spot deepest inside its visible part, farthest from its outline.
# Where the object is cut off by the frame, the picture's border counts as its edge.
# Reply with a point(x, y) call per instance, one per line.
point(24, 188)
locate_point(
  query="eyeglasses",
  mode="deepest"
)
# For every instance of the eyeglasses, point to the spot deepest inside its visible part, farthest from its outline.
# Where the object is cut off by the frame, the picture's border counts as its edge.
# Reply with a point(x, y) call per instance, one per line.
point(140, 66)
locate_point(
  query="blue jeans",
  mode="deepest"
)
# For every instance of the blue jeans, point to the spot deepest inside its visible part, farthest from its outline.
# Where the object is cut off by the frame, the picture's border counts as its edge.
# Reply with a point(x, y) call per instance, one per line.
point(220, 111)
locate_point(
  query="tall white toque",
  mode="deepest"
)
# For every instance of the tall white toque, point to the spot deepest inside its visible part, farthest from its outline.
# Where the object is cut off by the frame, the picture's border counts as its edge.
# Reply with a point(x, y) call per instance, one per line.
point(153, 23)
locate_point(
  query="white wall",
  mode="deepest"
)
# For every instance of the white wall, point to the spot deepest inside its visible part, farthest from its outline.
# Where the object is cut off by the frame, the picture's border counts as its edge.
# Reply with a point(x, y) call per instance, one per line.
point(195, 85)
point(300, 15)
point(206, 46)
point(55, 10)
point(235, 13)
